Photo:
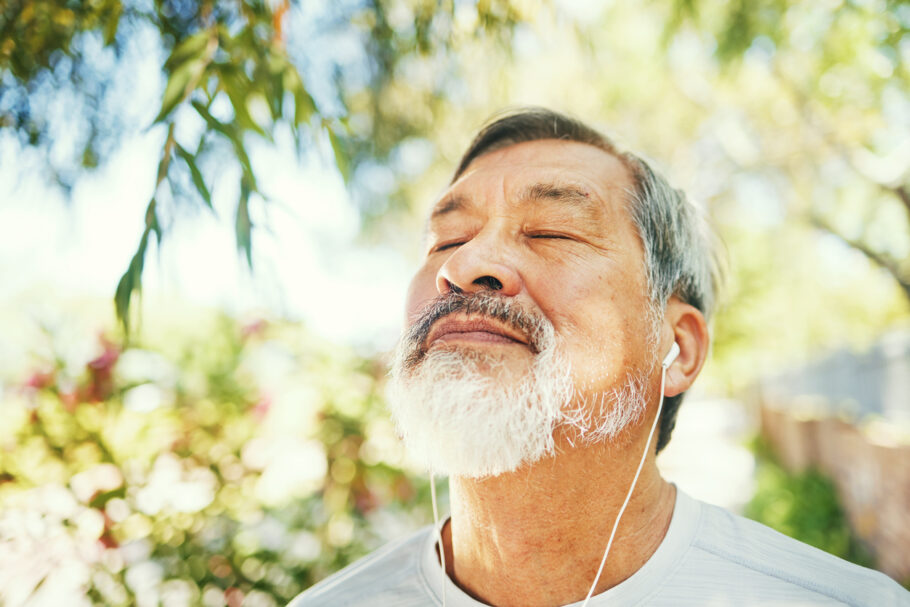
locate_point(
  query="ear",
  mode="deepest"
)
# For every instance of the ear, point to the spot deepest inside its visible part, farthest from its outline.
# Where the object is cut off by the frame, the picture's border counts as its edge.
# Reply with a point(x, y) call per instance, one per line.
point(687, 326)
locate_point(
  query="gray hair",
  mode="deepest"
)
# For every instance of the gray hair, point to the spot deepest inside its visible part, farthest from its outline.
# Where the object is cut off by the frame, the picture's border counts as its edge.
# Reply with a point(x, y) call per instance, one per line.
point(679, 257)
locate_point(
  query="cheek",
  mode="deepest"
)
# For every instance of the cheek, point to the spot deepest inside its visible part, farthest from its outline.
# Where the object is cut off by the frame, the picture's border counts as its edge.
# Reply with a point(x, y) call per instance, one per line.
point(602, 322)
point(421, 292)
point(579, 301)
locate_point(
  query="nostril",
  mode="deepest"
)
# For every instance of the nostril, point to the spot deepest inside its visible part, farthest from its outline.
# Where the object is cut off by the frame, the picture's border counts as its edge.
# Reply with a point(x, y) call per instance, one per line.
point(489, 282)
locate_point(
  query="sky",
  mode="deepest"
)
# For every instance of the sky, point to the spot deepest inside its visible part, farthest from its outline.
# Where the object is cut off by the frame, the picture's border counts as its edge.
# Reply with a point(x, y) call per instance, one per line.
point(309, 259)
point(308, 263)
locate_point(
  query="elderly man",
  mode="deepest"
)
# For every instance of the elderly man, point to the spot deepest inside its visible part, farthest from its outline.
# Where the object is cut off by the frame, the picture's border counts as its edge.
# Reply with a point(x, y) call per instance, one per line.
point(556, 321)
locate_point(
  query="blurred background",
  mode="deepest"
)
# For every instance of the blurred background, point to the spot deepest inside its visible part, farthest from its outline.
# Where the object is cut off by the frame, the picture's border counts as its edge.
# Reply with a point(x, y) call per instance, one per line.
point(209, 212)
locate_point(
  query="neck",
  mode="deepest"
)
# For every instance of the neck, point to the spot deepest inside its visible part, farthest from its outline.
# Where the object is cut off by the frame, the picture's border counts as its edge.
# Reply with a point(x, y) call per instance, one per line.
point(536, 536)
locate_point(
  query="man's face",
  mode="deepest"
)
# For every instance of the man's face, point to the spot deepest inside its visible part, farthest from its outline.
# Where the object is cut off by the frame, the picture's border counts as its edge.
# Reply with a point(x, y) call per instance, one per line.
point(548, 220)
point(542, 226)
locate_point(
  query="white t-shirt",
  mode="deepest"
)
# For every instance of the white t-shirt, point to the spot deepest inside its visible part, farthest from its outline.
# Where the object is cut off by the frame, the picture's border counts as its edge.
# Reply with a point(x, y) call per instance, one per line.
point(709, 557)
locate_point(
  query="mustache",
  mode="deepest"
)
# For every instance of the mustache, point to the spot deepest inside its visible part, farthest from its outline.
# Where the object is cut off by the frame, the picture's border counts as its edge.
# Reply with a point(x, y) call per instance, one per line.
point(483, 303)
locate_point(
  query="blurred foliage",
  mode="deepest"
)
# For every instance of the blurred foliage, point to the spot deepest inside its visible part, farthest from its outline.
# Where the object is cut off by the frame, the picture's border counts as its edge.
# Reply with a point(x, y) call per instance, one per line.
point(172, 474)
point(777, 141)
point(803, 506)
point(790, 122)
point(235, 70)
point(844, 68)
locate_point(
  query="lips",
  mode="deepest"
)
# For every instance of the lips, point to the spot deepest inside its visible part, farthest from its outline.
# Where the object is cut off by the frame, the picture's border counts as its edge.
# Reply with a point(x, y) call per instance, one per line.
point(482, 330)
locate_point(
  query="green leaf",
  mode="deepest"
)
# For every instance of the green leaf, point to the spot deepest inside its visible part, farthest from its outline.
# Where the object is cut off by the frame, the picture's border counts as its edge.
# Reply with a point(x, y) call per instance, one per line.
point(342, 158)
point(230, 132)
point(270, 76)
point(112, 24)
point(178, 87)
point(243, 225)
point(122, 296)
point(198, 181)
point(165, 161)
point(244, 159)
point(151, 221)
point(187, 65)
point(214, 123)
point(101, 498)
point(238, 88)
point(130, 281)
point(304, 106)
point(275, 96)
point(190, 47)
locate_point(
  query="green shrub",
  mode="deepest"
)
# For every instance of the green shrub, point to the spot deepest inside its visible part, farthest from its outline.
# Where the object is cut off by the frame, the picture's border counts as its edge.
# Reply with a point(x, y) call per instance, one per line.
point(804, 506)
point(172, 474)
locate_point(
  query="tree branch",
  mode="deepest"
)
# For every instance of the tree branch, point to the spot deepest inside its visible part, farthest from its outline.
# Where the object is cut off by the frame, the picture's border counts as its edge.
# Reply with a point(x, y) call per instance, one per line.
point(823, 130)
point(902, 192)
point(880, 259)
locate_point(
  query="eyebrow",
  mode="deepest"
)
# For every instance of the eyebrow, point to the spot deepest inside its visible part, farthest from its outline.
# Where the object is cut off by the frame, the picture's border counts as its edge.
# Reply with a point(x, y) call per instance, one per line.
point(571, 194)
point(449, 204)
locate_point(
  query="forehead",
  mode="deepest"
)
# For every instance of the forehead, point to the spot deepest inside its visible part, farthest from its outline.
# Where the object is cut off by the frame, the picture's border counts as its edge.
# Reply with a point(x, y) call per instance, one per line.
point(518, 169)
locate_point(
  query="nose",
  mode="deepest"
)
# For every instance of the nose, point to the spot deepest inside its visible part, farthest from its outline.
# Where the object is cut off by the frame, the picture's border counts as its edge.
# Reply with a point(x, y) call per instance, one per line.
point(479, 265)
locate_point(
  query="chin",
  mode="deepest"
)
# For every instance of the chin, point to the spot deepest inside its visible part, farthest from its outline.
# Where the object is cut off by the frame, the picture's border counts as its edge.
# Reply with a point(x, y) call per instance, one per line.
point(467, 412)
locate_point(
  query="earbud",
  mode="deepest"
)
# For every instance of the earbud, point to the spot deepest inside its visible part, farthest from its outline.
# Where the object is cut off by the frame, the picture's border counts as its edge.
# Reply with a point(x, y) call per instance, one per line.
point(671, 355)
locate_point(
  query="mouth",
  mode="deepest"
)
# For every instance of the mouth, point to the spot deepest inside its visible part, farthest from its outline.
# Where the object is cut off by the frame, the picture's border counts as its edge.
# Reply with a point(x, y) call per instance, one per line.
point(474, 331)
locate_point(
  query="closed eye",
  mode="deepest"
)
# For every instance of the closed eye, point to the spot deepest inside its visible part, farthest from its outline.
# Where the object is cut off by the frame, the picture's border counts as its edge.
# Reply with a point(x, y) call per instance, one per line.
point(448, 245)
point(551, 236)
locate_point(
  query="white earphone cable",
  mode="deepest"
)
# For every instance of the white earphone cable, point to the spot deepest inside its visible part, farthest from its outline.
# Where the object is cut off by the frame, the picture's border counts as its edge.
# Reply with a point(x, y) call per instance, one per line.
point(442, 548)
point(671, 356)
point(644, 456)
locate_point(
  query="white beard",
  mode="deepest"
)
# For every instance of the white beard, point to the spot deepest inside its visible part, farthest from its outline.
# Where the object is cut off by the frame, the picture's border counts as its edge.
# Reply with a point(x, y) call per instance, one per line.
point(461, 413)
point(598, 417)
point(460, 420)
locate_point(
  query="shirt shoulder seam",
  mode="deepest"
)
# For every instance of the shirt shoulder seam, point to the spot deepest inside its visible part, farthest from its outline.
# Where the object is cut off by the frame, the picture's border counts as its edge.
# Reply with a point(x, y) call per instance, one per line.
point(772, 571)
point(331, 582)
